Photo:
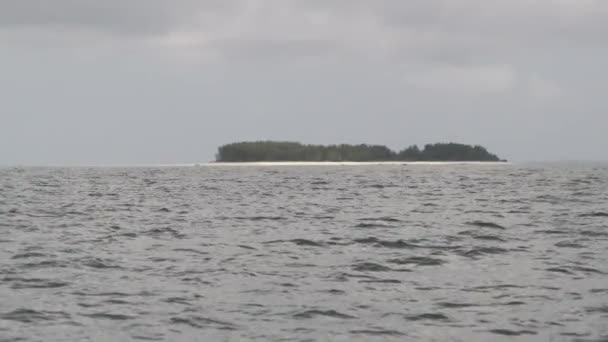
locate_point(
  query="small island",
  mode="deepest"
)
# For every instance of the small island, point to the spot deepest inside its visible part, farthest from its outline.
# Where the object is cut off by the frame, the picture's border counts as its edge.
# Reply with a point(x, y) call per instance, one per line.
point(285, 151)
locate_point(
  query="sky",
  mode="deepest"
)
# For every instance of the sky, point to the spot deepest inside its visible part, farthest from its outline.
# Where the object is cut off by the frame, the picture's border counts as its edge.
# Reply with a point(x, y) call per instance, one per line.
point(168, 81)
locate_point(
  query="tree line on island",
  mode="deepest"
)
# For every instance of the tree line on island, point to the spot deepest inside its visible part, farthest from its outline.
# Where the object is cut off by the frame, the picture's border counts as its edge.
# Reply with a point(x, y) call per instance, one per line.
point(285, 151)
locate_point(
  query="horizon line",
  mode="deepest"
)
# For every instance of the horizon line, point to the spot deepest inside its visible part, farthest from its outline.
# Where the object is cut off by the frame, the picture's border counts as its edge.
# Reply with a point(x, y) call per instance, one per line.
point(295, 163)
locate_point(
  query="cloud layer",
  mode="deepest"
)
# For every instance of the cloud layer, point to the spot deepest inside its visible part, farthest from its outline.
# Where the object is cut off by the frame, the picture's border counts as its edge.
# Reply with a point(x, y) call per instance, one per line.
point(535, 65)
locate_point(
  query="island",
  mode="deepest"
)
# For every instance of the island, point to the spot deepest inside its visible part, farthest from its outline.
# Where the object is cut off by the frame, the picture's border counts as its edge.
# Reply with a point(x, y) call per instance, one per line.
point(286, 151)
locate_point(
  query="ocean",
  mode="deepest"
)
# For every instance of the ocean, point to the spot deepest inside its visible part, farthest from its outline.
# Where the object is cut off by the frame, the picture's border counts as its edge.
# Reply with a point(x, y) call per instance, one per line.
point(414, 252)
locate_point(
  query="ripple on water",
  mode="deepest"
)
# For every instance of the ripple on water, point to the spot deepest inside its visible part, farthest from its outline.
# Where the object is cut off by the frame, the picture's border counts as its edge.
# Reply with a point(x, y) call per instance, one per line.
point(299, 242)
point(487, 237)
point(202, 322)
point(484, 224)
point(33, 316)
point(308, 314)
point(493, 288)
point(595, 214)
point(396, 244)
point(34, 283)
point(381, 219)
point(568, 244)
point(109, 316)
point(508, 332)
point(370, 267)
point(306, 242)
point(456, 305)
point(28, 255)
point(380, 281)
point(377, 332)
point(481, 251)
point(417, 260)
point(598, 309)
point(99, 263)
point(260, 218)
point(427, 317)
point(373, 225)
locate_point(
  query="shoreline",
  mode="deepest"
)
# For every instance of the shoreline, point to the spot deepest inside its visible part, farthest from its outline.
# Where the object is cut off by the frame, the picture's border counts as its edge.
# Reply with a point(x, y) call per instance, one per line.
point(347, 163)
point(264, 164)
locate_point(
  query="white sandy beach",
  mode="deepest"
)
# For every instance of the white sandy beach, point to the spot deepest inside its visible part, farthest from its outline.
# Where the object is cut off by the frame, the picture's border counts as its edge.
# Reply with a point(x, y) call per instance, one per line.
point(215, 164)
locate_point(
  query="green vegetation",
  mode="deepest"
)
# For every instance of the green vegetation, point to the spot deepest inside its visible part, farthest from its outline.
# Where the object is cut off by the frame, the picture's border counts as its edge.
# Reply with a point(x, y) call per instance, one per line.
point(267, 151)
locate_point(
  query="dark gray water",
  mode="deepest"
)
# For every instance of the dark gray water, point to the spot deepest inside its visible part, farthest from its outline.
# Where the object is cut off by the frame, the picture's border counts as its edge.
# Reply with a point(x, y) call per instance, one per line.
point(357, 253)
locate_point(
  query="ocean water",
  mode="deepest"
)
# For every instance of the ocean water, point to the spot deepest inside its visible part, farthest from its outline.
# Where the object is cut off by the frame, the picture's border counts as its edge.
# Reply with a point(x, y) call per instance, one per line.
point(316, 253)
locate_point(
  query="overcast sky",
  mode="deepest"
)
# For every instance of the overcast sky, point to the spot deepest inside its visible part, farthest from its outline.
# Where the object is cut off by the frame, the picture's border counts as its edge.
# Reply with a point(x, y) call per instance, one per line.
point(162, 81)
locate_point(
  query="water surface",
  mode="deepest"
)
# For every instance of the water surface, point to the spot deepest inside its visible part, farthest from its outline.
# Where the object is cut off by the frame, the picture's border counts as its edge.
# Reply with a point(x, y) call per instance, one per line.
point(317, 253)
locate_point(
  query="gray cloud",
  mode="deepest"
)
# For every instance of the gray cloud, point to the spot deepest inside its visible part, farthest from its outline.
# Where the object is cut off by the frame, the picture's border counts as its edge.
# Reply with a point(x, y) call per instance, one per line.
point(465, 31)
point(120, 17)
point(573, 20)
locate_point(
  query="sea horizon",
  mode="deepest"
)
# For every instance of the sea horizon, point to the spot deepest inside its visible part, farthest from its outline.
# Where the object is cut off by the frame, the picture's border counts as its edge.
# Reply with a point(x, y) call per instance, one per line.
point(271, 163)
